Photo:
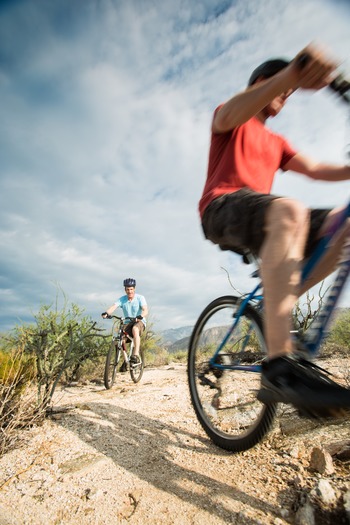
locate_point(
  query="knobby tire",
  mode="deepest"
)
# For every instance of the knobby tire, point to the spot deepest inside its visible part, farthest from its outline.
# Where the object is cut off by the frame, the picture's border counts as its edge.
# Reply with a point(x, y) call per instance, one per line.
point(111, 366)
point(136, 371)
point(225, 400)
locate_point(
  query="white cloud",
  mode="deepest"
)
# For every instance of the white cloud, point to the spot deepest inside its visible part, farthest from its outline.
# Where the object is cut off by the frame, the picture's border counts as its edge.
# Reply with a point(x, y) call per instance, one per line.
point(105, 131)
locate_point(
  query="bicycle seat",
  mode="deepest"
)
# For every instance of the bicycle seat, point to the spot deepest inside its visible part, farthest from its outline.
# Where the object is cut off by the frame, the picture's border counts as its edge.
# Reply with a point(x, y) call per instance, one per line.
point(247, 256)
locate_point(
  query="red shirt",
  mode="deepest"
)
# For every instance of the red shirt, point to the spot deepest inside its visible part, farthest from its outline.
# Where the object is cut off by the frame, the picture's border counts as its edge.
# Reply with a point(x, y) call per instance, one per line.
point(246, 157)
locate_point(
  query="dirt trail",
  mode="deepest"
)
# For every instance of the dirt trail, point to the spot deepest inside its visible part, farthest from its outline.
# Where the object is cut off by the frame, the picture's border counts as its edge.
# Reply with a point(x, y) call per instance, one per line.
point(136, 455)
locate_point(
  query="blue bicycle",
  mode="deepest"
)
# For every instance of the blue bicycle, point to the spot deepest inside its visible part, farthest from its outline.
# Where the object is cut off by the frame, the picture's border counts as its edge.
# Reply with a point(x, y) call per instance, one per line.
point(227, 347)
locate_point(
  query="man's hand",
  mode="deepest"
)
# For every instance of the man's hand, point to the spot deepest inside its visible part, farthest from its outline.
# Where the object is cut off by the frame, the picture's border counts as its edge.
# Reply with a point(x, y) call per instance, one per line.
point(105, 315)
point(139, 317)
point(313, 68)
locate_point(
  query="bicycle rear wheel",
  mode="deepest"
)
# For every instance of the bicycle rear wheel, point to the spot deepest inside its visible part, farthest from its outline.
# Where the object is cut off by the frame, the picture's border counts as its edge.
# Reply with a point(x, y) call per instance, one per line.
point(111, 366)
point(224, 399)
point(136, 369)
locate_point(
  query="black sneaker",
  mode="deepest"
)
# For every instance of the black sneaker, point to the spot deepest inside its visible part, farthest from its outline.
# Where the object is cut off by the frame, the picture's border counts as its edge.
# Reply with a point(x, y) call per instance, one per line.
point(125, 367)
point(135, 360)
point(294, 380)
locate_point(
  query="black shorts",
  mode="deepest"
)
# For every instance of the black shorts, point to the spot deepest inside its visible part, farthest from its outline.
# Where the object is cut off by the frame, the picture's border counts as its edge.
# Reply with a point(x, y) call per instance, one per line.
point(236, 222)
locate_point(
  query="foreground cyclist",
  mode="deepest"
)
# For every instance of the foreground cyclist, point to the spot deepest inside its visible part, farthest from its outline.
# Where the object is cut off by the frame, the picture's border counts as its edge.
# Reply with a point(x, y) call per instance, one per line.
point(239, 213)
point(133, 305)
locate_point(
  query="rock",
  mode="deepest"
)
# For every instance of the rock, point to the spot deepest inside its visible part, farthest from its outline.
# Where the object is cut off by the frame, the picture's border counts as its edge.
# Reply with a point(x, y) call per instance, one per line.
point(346, 501)
point(82, 462)
point(299, 481)
point(305, 515)
point(321, 461)
point(339, 449)
point(325, 492)
point(344, 454)
point(294, 426)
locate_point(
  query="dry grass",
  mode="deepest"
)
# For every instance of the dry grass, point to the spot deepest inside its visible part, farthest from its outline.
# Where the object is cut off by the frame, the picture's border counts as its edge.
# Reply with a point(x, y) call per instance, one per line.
point(18, 399)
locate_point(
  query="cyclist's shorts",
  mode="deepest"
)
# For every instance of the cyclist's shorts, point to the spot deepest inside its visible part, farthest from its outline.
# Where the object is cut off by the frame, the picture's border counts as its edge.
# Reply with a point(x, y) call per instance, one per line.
point(129, 327)
point(236, 222)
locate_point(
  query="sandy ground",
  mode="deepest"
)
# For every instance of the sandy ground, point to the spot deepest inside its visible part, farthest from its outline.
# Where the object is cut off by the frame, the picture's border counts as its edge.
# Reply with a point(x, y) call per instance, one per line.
point(136, 454)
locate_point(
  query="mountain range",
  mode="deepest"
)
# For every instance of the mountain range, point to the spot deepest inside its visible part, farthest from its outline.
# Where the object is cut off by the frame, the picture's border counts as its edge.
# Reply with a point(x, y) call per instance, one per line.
point(177, 339)
point(170, 336)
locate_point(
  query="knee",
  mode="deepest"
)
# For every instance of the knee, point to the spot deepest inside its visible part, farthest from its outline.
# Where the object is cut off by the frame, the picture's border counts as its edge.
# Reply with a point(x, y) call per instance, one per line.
point(289, 215)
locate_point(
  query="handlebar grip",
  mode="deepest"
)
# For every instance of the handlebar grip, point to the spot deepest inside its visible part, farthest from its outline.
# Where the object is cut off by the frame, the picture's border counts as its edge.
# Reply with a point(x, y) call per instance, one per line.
point(341, 86)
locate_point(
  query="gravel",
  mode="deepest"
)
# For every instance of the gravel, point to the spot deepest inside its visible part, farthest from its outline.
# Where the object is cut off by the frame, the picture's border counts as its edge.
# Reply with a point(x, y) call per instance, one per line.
point(136, 454)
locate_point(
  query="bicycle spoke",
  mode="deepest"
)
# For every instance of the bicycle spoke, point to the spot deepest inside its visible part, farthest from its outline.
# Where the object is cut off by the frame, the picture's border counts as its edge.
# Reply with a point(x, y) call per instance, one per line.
point(224, 398)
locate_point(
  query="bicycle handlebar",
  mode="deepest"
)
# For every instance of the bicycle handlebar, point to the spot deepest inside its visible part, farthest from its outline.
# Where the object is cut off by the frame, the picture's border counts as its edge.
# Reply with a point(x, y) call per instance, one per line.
point(339, 85)
point(119, 318)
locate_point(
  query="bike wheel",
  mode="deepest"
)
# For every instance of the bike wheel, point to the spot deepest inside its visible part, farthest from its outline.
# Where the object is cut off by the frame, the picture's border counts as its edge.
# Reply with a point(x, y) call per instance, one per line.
point(111, 365)
point(225, 399)
point(136, 369)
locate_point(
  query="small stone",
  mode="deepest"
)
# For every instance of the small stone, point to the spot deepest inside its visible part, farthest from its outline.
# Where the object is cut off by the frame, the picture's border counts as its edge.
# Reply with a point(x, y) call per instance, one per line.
point(321, 461)
point(299, 481)
point(305, 515)
point(325, 492)
point(346, 500)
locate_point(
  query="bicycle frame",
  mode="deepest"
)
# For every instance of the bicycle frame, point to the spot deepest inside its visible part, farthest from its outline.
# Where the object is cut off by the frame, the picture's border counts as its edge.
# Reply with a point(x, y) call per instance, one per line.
point(120, 335)
point(319, 326)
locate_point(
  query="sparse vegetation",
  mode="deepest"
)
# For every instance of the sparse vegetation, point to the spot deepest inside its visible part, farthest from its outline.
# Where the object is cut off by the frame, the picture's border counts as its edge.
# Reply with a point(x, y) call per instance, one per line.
point(18, 407)
point(59, 342)
point(306, 309)
point(340, 331)
point(63, 345)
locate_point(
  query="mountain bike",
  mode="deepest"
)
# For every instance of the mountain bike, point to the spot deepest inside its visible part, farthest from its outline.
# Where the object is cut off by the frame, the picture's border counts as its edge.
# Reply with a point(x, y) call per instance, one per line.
point(227, 347)
point(122, 347)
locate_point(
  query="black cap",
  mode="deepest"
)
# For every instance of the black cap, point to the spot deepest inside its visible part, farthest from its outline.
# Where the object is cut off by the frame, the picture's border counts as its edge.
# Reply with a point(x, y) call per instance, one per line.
point(268, 69)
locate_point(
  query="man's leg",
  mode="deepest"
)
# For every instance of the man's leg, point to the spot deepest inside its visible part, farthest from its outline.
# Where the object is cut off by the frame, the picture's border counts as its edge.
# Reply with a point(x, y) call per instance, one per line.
point(137, 339)
point(287, 224)
point(329, 262)
point(286, 378)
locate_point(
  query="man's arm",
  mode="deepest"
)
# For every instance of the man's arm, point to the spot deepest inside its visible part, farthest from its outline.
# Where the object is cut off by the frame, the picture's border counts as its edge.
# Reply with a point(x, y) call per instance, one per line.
point(318, 170)
point(110, 310)
point(315, 74)
point(247, 104)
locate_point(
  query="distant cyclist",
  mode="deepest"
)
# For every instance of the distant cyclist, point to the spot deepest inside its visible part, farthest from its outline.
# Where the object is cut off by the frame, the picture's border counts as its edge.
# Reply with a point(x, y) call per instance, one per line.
point(133, 305)
point(238, 213)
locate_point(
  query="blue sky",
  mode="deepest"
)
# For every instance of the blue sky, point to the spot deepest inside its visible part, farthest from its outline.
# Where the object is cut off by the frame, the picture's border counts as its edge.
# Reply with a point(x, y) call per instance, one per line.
point(104, 131)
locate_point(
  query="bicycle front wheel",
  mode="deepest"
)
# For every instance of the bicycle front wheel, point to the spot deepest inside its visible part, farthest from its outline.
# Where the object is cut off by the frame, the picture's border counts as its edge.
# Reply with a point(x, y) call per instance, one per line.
point(136, 369)
point(223, 392)
point(112, 361)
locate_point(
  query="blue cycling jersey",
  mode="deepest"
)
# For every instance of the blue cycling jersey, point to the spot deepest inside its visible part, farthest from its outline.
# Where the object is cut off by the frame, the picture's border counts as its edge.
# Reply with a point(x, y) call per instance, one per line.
point(132, 308)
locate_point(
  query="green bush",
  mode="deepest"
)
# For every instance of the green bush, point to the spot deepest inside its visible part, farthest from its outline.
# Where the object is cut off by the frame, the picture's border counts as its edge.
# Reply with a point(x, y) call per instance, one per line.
point(339, 333)
point(60, 341)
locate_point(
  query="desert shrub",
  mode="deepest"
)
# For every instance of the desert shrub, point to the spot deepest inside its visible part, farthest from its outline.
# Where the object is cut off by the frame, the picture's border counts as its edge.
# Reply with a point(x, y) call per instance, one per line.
point(60, 341)
point(339, 334)
point(18, 407)
point(179, 357)
point(159, 357)
point(150, 345)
